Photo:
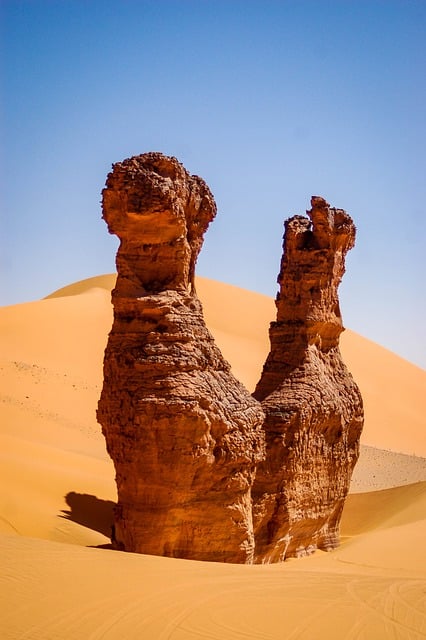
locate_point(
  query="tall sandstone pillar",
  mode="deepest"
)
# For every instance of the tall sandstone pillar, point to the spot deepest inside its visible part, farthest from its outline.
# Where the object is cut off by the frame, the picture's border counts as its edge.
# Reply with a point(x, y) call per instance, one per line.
point(313, 407)
point(184, 435)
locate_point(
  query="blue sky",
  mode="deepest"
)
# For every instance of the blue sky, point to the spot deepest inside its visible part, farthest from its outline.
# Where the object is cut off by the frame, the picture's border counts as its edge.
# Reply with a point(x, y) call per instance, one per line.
point(269, 101)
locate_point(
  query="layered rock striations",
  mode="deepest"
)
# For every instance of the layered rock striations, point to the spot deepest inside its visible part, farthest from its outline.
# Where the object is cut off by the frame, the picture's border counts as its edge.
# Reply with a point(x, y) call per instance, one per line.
point(184, 435)
point(313, 407)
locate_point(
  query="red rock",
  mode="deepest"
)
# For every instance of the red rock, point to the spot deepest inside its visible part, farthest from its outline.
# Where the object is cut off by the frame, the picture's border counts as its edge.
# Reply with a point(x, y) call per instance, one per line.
point(313, 407)
point(185, 436)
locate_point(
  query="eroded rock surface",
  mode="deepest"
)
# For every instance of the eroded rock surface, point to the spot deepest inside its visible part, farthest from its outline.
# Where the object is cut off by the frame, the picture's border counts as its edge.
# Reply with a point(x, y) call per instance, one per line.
point(185, 436)
point(313, 407)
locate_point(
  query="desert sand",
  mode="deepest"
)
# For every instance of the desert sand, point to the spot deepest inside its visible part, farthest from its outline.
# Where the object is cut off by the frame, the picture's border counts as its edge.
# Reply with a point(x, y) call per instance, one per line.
point(59, 580)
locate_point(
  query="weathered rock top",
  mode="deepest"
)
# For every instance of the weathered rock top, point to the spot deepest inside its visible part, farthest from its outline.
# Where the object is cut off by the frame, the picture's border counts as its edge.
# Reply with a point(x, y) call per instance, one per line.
point(161, 212)
point(312, 266)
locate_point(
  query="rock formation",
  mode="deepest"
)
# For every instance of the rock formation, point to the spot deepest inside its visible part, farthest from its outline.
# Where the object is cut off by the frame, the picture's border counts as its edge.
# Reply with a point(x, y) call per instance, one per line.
point(185, 436)
point(313, 407)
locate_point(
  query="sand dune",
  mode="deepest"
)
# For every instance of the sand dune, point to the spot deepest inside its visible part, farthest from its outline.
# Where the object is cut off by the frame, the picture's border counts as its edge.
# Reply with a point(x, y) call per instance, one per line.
point(58, 491)
point(73, 592)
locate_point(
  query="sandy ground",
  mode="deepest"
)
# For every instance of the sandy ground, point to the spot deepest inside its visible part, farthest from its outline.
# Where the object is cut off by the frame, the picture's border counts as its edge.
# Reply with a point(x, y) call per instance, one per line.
point(57, 493)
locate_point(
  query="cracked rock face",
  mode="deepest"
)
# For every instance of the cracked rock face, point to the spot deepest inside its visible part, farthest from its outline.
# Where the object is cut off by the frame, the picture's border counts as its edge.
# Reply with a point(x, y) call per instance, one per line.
point(313, 407)
point(184, 435)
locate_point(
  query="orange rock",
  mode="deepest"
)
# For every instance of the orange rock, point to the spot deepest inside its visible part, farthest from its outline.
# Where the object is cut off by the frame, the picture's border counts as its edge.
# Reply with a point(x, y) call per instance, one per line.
point(313, 407)
point(185, 436)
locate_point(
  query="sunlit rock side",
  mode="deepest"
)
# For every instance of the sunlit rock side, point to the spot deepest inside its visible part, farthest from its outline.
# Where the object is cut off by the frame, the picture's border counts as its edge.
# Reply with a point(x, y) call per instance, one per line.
point(314, 413)
point(184, 435)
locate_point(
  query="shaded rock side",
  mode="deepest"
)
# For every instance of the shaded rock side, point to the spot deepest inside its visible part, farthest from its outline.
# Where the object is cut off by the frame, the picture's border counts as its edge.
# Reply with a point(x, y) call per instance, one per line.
point(314, 413)
point(185, 436)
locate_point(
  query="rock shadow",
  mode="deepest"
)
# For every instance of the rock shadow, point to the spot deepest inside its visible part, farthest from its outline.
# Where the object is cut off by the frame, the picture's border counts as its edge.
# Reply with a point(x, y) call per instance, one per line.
point(90, 511)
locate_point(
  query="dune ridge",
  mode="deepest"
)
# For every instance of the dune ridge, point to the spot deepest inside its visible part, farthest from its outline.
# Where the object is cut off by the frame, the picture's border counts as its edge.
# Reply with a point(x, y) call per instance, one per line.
point(58, 490)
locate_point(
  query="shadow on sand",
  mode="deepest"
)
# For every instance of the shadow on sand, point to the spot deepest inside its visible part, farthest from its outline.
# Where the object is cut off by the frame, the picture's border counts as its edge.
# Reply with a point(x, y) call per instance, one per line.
point(90, 512)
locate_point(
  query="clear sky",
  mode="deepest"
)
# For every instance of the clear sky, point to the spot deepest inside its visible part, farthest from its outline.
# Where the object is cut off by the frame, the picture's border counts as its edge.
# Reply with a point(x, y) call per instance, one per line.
point(269, 101)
